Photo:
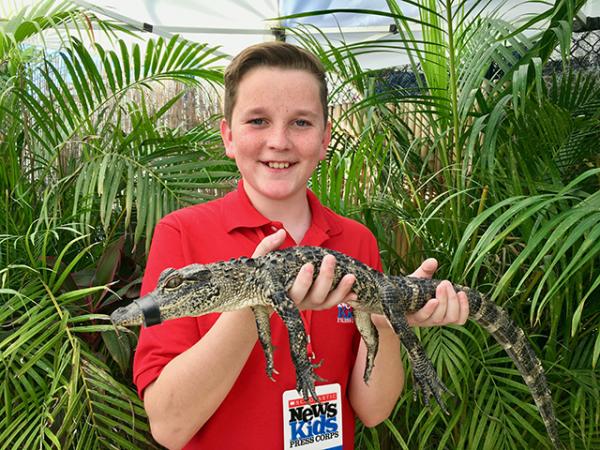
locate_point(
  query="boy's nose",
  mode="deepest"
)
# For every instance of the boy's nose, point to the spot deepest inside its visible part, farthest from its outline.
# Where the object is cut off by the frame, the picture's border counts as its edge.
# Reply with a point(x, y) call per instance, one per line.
point(279, 138)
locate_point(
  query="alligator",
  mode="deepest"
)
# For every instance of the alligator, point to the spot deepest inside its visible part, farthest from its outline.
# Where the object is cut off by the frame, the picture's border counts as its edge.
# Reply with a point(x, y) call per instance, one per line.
point(262, 284)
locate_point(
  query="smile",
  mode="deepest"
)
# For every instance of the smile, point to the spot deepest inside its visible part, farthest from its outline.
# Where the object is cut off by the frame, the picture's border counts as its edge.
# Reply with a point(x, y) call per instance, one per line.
point(278, 165)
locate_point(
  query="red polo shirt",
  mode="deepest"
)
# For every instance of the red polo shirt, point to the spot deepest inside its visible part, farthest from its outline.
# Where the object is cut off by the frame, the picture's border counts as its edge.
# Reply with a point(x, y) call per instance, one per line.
point(251, 416)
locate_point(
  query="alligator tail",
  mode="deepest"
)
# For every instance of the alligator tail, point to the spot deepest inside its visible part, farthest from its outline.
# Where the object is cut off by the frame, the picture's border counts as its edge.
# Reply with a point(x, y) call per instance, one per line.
point(498, 323)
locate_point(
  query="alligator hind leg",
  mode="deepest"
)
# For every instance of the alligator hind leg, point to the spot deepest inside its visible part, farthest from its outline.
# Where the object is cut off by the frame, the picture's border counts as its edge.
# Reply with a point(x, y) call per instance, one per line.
point(263, 327)
point(371, 337)
point(424, 374)
point(289, 313)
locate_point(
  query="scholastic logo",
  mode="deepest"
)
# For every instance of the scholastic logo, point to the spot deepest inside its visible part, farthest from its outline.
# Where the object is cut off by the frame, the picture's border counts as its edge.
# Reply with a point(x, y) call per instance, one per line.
point(312, 423)
point(345, 313)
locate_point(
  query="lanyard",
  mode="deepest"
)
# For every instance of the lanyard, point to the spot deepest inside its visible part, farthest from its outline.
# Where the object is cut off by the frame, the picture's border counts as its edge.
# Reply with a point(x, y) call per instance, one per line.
point(307, 320)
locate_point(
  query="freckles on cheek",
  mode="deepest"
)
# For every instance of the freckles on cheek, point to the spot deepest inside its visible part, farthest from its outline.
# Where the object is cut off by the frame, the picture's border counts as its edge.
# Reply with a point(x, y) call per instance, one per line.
point(247, 142)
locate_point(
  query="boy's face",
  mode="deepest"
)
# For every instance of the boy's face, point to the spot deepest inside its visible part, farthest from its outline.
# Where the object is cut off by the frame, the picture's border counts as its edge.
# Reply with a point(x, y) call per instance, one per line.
point(277, 133)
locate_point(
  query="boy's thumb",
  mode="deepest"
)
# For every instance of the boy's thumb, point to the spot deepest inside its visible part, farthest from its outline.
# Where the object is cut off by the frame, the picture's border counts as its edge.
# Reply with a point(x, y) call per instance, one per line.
point(270, 243)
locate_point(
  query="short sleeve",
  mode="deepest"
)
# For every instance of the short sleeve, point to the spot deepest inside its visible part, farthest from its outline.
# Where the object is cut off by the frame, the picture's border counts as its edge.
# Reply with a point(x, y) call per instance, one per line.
point(374, 255)
point(159, 344)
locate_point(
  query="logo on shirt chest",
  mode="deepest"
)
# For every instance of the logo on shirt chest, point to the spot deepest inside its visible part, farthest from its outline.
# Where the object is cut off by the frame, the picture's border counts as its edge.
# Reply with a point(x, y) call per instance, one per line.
point(345, 313)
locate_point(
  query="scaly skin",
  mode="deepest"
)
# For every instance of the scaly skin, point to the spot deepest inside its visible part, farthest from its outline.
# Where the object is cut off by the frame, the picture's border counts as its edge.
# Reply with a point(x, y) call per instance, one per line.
point(262, 283)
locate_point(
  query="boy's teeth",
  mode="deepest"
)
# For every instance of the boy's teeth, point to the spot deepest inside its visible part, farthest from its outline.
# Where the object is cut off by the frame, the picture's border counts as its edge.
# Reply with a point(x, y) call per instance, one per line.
point(279, 165)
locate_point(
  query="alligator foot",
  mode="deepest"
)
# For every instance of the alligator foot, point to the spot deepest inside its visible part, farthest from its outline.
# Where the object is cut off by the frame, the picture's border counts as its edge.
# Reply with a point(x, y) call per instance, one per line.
point(424, 374)
point(305, 381)
point(427, 382)
point(270, 372)
point(371, 339)
point(263, 327)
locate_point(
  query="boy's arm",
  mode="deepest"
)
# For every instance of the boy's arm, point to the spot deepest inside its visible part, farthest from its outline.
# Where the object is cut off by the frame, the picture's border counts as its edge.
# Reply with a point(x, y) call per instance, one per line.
point(374, 402)
point(177, 404)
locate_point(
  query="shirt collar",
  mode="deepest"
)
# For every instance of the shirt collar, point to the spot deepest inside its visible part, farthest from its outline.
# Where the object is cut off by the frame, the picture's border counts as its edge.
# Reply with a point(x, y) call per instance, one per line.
point(240, 213)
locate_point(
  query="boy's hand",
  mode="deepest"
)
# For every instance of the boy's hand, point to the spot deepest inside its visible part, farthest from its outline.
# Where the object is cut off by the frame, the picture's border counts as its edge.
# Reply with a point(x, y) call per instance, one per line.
point(317, 294)
point(305, 293)
point(446, 308)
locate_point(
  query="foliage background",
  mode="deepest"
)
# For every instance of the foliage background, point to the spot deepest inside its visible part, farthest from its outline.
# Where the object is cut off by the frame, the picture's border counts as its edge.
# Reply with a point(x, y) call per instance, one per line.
point(485, 164)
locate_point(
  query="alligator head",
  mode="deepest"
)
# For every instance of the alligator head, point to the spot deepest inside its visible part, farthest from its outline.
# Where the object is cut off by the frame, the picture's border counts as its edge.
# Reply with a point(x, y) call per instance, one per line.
point(189, 291)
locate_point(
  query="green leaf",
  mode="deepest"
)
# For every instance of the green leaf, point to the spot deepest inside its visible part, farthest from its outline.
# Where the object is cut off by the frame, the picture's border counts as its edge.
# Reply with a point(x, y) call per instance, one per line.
point(119, 348)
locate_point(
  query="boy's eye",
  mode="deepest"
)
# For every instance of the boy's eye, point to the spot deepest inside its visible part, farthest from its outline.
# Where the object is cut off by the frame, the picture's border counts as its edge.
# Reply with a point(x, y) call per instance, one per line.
point(256, 121)
point(302, 123)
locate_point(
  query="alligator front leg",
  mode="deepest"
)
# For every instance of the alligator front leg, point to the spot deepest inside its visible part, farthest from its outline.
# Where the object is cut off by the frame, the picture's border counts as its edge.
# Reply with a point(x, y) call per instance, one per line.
point(289, 313)
point(371, 337)
point(263, 327)
point(424, 374)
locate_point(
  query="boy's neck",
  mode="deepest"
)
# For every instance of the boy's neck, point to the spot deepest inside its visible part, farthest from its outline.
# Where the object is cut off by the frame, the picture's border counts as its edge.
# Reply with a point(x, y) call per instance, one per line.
point(294, 214)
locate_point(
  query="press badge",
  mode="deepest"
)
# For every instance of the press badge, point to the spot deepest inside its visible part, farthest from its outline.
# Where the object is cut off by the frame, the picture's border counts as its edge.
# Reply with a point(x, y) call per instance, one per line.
point(308, 425)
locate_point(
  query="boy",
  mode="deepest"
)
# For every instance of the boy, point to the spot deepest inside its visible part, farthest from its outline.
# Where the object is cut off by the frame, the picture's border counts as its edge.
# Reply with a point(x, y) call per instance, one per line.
point(203, 379)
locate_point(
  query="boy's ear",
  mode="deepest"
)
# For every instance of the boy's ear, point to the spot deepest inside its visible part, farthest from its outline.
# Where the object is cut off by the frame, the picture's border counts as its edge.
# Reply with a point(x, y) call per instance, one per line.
point(326, 140)
point(227, 138)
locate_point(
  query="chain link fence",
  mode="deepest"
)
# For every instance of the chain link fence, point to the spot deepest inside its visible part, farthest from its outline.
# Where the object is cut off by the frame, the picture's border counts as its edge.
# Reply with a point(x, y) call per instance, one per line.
point(584, 54)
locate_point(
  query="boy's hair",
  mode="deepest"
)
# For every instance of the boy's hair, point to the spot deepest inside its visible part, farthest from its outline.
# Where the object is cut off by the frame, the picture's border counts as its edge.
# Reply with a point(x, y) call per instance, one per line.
point(271, 54)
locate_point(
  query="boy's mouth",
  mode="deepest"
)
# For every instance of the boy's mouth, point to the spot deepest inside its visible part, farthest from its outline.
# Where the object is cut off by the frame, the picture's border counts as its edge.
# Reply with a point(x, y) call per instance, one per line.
point(278, 164)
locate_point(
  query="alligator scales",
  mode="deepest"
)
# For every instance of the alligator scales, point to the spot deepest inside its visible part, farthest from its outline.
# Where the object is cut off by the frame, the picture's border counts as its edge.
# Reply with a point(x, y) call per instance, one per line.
point(262, 283)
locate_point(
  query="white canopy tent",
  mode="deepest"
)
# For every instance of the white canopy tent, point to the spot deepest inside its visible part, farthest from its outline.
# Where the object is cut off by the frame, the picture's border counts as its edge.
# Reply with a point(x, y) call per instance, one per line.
point(235, 24)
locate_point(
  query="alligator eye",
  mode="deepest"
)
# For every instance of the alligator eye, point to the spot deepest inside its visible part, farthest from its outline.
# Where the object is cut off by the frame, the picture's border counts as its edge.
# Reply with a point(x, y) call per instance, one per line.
point(173, 282)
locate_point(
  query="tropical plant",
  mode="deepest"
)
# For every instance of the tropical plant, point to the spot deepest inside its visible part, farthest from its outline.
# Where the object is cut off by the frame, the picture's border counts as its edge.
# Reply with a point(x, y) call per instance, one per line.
point(88, 168)
point(492, 169)
point(484, 164)
point(58, 388)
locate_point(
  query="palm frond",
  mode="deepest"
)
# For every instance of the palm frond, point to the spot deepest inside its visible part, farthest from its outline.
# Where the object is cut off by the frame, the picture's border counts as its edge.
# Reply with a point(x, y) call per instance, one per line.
point(122, 169)
point(56, 390)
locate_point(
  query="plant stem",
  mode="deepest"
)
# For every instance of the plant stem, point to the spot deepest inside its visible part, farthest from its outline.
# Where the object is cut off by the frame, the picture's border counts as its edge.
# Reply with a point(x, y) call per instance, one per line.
point(456, 156)
point(453, 83)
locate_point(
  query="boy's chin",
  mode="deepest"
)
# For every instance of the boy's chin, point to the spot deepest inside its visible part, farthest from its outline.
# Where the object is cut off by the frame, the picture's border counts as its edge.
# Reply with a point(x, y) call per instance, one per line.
point(280, 194)
point(280, 191)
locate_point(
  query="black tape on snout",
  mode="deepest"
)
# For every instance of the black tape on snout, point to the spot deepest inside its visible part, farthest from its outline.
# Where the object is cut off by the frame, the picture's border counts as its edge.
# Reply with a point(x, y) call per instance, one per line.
point(149, 309)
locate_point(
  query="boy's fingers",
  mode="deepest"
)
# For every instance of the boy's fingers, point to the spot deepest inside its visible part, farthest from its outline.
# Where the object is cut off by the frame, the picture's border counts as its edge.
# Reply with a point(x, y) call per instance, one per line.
point(317, 293)
point(322, 284)
point(426, 269)
point(457, 306)
point(448, 305)
point(424, 314)
point(453, 308)
point(350, 297)
point(341, 294)
point(302, 283)
point(464, 308)
point(269, 243)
